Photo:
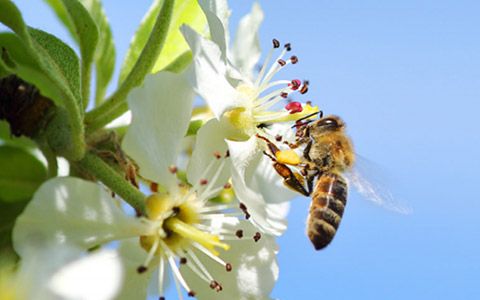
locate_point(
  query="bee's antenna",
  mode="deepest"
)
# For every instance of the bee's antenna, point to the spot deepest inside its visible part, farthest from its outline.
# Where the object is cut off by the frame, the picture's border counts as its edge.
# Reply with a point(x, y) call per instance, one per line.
point(320, 115)
point(300, 124)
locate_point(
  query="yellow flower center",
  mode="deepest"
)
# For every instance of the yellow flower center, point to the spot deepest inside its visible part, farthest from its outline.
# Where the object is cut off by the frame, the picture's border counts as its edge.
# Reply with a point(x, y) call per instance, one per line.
point(177, 222)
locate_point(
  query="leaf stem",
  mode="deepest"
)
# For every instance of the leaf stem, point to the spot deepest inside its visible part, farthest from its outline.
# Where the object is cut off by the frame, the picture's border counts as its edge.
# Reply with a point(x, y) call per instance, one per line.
point(119, 185)
point(116, 105)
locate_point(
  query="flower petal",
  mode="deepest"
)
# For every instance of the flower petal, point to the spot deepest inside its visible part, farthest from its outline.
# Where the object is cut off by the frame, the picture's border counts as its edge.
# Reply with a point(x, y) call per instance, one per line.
point(75, 212)
point(246, 51)
point(208, 73)
point(161, 111)
point(258, 186)
point(217, 13)
point(210, 139)
point(135, 284)
point(254, 272)
point(97, 276)
point(51, 272)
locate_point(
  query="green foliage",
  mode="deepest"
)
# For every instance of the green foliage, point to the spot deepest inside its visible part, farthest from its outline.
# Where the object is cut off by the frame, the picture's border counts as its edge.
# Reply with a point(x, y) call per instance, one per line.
point(7, 139)
point(11, 17)
point(20, 175)
point(93, 34)
point(184, 12)
point(105, 52)
point(46, 62)
point(60, 62)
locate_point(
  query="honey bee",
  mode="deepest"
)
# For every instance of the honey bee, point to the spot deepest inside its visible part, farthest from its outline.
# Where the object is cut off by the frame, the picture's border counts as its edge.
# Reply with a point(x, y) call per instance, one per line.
point(328, 156)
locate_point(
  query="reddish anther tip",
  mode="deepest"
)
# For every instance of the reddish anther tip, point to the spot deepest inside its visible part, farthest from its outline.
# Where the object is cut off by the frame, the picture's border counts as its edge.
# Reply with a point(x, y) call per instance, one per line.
point(141, 269)
point(203, 181)
point(295, 84)
point(294, 59)
point(173, 169)
point(228, 267)
point(191, 294)
point(294, 107)
point(217, 155)
point(227, 186)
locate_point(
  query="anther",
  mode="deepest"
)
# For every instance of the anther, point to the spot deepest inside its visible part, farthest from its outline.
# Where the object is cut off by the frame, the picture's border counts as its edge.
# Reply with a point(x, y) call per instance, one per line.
point(154, 187)
point(281, 62)
point(176, 210)
point(183, 260)
point(294, 59)
point(309, 102)
point(227, 154)
point(295, 84)
point(284, 95)
point(276, 43)
point(278, 138)
point(214, 285)
point(217, 155)
point(288, 46)
point(203, 181)
point(173, 169)
point(239, 233)
point(161, 298)
point(228, 267)
point(304, 88)
point(243, 207)
point(227, 186)
point(257, 236)
point(294, 107)
point(191, 294)
point(141, 269)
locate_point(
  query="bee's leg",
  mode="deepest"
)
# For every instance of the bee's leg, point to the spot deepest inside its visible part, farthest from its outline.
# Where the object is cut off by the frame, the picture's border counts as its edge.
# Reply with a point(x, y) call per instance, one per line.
point(271, 146)
point(306, 151)
point(286, 157)
point(293, 180)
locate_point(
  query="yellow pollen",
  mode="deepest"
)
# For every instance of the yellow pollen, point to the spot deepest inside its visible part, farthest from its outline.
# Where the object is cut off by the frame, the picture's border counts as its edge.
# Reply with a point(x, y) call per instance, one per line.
point(288, 157)
point(240, 118)
point(157, 204)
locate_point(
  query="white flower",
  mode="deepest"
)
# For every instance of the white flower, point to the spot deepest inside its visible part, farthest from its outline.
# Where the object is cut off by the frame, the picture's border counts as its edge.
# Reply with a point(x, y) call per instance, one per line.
point(48, 273)
point(181, 225)
point(241, 104)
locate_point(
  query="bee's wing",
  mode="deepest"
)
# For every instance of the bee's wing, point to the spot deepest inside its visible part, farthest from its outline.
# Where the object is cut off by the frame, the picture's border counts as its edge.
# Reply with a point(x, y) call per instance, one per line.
point(371, 182)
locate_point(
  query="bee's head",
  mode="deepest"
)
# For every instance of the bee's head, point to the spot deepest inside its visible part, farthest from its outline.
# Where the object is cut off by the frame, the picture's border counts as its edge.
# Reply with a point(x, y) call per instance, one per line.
point(327, 124)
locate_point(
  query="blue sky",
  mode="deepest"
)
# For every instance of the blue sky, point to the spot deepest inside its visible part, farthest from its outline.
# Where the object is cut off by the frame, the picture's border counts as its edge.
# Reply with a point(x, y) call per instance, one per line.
point(405, 76)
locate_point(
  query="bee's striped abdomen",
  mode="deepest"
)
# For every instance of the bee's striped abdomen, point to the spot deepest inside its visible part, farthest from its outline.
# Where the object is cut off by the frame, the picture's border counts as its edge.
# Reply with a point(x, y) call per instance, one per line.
point(328, 203)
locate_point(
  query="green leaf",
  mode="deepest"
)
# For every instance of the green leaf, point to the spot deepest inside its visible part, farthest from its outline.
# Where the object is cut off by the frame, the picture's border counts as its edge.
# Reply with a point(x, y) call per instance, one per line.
point(87, 33)
point(11, 17)
point(6, 138)
point(105, 52)
point(60, 61)
point(184, 12)
point(26, 66)
point(46, 62)
point(78, 19)
point(20, 175)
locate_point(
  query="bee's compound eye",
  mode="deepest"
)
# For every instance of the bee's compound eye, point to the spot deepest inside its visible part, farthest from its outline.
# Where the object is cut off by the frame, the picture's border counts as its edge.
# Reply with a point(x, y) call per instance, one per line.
point(329, 123)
